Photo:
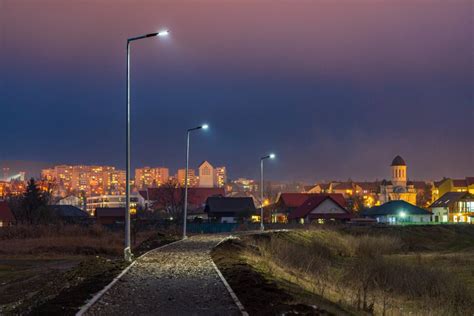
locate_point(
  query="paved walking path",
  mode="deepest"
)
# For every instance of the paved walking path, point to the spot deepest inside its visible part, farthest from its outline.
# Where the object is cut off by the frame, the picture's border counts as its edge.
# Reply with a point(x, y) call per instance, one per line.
point(176, 280)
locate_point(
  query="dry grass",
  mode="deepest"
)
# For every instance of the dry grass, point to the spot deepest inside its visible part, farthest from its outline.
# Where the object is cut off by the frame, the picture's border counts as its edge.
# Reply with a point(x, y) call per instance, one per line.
point(68, 239)
point(367, 273)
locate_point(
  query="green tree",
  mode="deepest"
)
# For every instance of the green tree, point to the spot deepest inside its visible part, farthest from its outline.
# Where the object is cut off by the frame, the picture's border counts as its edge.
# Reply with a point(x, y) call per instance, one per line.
point(34, 209)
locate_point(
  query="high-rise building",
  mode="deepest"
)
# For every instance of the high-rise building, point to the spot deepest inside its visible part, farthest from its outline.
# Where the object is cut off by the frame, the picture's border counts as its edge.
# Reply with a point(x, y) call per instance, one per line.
point(118, 180)
point(221, 176)
point(180, 176)
point(147, 177)
point(92, 180)
point(206, 175)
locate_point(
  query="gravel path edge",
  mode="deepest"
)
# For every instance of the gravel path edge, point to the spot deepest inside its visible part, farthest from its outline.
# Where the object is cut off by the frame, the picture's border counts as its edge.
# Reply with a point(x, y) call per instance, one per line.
point(231, 292)
point(99, 294)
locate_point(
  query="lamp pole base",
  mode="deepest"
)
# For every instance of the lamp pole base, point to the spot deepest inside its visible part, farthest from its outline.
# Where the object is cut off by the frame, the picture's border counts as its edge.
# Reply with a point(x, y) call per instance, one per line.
point(128, 255)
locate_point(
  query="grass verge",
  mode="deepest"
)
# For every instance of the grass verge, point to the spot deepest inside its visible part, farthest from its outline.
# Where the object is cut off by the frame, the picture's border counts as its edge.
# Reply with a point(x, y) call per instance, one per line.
point(262, 292)
point(353, 271)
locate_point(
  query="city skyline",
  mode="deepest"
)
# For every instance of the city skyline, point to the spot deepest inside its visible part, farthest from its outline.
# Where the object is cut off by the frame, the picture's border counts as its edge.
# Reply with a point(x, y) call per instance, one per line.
point(329, 107)
point(38, 167)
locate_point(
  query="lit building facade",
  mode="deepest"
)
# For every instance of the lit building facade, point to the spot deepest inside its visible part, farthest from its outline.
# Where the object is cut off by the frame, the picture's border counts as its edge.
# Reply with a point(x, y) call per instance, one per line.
point(455, 185)
point(148, 177)
point(180, 177)
point(91, 180)
point(454, 207)
point(112, 201)
point(12, 188)
point(4, 189)
point(244, 185)
point(398, 188)
point(221, 176)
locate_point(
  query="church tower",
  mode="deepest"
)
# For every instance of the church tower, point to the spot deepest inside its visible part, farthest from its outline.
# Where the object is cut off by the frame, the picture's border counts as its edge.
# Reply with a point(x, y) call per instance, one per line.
point(399, 172)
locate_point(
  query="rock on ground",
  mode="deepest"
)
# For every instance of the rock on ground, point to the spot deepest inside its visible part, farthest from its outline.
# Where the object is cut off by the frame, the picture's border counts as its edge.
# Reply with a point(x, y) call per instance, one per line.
point(177, 280)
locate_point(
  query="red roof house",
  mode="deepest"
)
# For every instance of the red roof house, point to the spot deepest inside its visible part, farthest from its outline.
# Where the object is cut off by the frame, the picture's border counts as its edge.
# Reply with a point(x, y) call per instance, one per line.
point(287, 203)
point(294, 200)
point(321, 206)
point(6, 215)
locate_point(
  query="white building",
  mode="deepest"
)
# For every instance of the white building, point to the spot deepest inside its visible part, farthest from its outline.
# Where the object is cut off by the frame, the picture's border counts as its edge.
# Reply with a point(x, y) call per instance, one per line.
point(206, 175)
point(72, 200)
point(109, 201)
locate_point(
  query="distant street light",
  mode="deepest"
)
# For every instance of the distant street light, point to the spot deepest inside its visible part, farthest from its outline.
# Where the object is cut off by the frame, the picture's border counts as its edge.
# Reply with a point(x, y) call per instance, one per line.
point(271, 156)
point(128, 251)
point(185, 213)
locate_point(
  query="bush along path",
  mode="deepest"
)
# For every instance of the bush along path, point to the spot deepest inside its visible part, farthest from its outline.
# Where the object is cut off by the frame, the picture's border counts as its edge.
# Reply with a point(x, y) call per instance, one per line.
point(179, 279)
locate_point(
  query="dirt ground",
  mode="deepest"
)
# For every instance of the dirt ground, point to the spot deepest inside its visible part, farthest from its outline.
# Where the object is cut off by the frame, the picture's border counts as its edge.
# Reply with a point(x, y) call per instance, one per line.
point(55, 283)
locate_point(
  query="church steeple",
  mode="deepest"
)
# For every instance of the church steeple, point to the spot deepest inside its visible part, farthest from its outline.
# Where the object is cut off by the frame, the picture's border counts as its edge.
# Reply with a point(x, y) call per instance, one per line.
point(399, 172)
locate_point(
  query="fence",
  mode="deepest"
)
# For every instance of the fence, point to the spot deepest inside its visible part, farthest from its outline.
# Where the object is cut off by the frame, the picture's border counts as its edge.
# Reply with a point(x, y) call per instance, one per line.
point(211, 228)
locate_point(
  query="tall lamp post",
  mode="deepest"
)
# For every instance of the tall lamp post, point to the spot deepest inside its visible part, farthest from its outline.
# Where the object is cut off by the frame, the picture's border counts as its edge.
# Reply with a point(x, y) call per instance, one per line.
point(185, 213)
point(271, 156)
point(127, 251)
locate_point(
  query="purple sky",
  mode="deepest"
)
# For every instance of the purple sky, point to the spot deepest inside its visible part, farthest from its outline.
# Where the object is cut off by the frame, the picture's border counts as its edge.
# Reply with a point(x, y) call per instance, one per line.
point(335, 88)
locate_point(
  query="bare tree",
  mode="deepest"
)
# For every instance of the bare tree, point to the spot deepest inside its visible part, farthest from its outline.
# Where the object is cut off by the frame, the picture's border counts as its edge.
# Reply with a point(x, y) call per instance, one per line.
point(171, 199)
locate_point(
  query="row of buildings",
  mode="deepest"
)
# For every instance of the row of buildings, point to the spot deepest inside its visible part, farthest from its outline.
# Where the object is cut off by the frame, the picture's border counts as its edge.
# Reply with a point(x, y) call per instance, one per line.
point(368, 194)
point(93, 187)
point(212, 204)
point(90, 181)
point(207, 176)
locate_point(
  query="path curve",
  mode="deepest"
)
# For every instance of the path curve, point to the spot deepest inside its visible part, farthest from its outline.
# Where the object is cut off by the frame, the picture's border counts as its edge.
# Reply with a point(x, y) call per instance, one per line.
point(176, 280)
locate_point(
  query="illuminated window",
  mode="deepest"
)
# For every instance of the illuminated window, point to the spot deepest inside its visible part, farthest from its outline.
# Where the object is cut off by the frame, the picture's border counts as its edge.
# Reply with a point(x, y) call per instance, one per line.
point(255, 218)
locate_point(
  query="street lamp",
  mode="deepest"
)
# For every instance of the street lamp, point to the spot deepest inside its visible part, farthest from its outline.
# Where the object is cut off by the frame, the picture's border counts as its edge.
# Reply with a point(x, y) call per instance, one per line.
point(127, 251)
point(185, 213)
point(271, 156)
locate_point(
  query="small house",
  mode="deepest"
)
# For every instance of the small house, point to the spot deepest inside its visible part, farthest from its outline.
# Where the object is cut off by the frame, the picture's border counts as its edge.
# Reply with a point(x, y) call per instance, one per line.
point(320, 208)
point(230, 209)
point(397, 212)
point(453, 207)
point(287, 203)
